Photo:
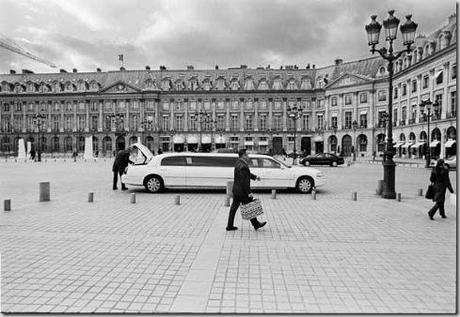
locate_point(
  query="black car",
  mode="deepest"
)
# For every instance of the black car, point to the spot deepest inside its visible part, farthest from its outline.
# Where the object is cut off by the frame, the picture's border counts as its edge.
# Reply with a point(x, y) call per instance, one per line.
point(323, 159)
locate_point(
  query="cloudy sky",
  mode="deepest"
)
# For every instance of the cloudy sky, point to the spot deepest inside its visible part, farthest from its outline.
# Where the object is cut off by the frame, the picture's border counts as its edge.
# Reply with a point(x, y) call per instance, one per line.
point(86, 34)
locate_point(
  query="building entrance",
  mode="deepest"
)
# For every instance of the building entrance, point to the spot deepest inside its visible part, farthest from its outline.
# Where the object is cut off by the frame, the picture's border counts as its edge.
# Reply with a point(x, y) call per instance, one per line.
point(277, 145)
point(305, 146)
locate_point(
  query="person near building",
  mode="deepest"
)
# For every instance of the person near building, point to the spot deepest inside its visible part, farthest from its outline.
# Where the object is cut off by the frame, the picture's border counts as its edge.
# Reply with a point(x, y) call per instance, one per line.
point(440, 180)
point(121, 162)
point(242, 190)
point(32, 154)
point(159, 151)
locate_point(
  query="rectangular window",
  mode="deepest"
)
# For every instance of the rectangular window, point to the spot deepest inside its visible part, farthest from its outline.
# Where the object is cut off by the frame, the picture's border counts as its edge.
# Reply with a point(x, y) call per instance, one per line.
point(165, 123)
point(93, 106)
point(81, 123)
point(94, 123)
point(381, 119)
point(133, 123)
point(348, 99)
point(18, 107)
point(453, 103)
point(404, 90)
point(333, 101)
point(68, 123)
point(55, 124)
point(277, 122)
point(454, 71)
point(414, 86)
point(179, 123)
point(305, 124)
point(439, 78)
point(220, 122)
point(404, 114)
point(363, 98)
point(438, 99)
point(348, 120)
point(334, 122)
point(248, 123)
point(395, 96)
point(426, 79)
point(263, 122)
point(363, 120)
point(320, 121)
point(234, 123)
point(395, 115)
point(382, 95)
point(6, 107)
point(193, 124)
point(108, 123)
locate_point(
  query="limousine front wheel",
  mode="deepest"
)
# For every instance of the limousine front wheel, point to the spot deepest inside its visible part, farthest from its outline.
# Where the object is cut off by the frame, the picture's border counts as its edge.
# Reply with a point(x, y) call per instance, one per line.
point(305, 184)
point(153, 184)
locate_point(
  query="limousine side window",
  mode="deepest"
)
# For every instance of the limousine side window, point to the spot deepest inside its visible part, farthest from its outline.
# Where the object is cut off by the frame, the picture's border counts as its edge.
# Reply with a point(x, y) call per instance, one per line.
point(173, 161)
point(211, 161)
point(267, 163)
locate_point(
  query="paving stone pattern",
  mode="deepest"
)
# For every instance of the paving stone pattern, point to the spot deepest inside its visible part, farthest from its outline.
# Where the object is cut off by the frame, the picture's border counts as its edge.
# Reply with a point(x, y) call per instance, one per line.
point(330, 255)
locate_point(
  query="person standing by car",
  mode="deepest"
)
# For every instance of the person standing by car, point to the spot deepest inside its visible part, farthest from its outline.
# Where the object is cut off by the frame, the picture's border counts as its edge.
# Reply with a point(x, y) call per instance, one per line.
point(242, 190)
point(440, 179)
point(121, 162)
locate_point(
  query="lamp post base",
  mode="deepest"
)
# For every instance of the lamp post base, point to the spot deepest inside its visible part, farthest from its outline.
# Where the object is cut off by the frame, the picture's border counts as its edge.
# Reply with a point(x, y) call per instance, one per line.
point(389, 168)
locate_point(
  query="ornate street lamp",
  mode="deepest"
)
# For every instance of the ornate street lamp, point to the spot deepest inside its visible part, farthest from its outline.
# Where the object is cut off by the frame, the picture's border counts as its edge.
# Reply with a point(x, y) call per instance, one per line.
point(428, 115)
point(355, 126)
point(201, 117)
point(373, 33)
point(295, 112)
point(39, 120)
point(146, 124)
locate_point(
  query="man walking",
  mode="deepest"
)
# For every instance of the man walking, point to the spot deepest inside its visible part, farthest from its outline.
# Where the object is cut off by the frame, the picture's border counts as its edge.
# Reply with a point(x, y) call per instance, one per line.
point(121, 162)
point(242, 190)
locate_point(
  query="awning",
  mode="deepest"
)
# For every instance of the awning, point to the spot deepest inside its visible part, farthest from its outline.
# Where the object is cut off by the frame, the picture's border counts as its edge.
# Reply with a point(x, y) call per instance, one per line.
point(398, 144)
point(407, 145)
point(318, 138)
point(434, 143)
point(263, 142)
point(178, 139)
point(192, 139)
point(220, 139)
point(205, 139)
point(248, 142)
point(449, 143)
point(420, 143)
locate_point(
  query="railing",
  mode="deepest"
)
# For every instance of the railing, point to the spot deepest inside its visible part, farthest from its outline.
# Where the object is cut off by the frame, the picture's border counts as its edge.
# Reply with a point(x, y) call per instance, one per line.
point(411, 121)
point(452, 114)
point(422, 119)
point(402, 122)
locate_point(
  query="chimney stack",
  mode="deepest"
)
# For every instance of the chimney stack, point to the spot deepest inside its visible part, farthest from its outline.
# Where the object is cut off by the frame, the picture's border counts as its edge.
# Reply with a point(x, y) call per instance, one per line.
point(338, 61)
point(147, 67)
point(98, 70)
point(74, 70)
point(12, 71)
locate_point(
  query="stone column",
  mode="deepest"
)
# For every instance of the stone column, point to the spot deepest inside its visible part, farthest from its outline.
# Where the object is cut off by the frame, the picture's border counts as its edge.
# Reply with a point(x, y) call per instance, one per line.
point(270, 114)
point(75, 106)
point(87, 105)
point(63, 105)
point(127, 127)
point(227, 121)
point(186, 105)
point(242, 125)
point(445, 95)
point(256, 114)
point(24, 125)
point(48, 128)
point(284, 104)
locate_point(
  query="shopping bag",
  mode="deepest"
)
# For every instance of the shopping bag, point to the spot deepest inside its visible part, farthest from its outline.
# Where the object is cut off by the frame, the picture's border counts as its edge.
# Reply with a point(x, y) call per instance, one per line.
point(251, 209)
point(429, 192)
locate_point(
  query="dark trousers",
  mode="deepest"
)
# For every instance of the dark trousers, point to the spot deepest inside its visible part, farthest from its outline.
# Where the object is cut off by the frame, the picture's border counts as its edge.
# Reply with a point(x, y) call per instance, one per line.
point(234, 207)
point(438, 205)
point(115, 179)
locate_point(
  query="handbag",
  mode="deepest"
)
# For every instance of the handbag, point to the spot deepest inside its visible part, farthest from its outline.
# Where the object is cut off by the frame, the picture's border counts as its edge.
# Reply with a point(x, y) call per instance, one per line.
point(251, 209)
point(430, 192)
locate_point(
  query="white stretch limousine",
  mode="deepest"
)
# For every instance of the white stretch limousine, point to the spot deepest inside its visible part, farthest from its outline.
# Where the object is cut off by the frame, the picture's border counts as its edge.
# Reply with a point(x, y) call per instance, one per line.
point(214, 170)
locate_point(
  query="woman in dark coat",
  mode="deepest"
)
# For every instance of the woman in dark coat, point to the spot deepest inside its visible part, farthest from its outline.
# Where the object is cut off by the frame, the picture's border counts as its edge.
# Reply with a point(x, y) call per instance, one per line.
point(440, 180)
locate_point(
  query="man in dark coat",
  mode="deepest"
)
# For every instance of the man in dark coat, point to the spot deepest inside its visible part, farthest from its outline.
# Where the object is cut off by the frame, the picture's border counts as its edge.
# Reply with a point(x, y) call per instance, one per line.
point(440, 179)
point(121, 162)
point(242, 190)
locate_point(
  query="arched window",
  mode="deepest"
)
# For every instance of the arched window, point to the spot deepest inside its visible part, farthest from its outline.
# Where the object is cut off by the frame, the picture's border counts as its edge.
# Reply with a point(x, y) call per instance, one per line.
point(55, 144)
point(107, 145)
point(68, 144)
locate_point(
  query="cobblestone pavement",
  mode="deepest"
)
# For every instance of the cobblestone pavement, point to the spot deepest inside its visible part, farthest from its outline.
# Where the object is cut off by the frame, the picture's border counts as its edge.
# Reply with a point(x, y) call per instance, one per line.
point(329, 255)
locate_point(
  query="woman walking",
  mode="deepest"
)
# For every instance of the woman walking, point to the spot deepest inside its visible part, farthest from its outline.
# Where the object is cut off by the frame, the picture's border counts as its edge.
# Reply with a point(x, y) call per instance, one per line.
point(440, 180)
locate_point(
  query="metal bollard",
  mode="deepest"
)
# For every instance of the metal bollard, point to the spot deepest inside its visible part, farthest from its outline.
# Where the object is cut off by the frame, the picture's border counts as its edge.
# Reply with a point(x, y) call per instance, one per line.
point(133, 198)
point(420, 192)
point(7, 205)
point(45, 191)
point(90, 197)
point(227, 201)
point(273, 194)
point(379, 189)
point(229, 189)
point(354, 196)
point(398, 196)
point(177, 200)
point(313, 194)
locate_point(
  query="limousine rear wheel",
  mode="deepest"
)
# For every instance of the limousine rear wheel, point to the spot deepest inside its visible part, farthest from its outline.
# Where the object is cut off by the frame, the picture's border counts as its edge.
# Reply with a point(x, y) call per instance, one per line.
point(305, 184)
point(153, 184)
point(334, 163)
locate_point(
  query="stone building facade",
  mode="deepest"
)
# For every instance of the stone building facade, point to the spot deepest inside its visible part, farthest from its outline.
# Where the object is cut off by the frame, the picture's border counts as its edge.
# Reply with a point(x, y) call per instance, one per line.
point(342, 106)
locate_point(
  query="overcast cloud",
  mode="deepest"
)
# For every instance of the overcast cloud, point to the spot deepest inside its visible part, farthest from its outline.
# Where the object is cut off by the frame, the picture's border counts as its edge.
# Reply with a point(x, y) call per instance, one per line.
point(86, 34)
